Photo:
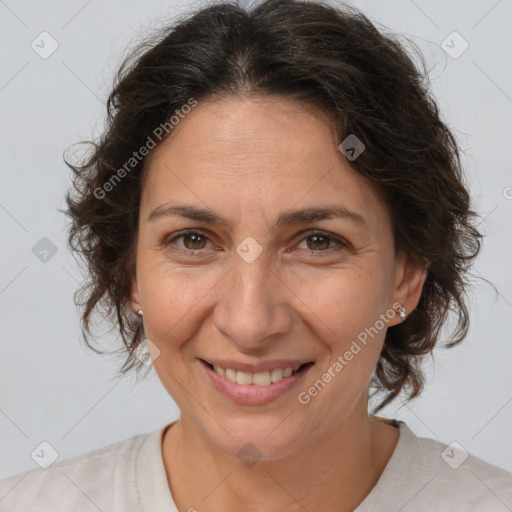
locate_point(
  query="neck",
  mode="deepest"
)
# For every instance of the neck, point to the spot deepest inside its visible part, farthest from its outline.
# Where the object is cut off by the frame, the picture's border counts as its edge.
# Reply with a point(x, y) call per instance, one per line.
point(340, 466)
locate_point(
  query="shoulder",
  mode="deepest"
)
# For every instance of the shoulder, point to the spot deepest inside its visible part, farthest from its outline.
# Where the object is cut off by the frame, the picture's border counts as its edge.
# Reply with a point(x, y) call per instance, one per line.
point(82, 483)
point(460, 477)
point(425, 474)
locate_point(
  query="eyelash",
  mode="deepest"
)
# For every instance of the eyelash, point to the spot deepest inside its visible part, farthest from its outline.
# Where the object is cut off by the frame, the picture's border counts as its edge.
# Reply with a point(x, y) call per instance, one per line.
point(189, 232)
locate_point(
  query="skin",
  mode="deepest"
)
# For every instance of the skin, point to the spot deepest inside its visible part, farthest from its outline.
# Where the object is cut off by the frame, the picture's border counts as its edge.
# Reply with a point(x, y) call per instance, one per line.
point(249, 159)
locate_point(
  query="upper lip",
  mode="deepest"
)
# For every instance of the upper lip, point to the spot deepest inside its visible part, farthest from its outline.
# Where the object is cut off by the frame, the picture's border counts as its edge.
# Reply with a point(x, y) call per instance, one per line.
point(261, 366)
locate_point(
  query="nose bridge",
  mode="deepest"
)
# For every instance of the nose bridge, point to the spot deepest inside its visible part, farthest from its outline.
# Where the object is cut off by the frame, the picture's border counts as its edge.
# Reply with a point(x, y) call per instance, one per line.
point(252, 283)
point(252, 307)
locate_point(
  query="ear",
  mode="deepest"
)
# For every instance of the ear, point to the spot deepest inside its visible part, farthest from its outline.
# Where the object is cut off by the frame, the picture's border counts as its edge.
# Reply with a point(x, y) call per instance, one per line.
point(135, 300)
point(410, 276)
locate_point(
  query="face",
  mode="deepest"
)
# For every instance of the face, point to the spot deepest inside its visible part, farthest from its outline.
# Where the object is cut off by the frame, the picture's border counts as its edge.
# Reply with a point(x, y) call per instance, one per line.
point(240, 266)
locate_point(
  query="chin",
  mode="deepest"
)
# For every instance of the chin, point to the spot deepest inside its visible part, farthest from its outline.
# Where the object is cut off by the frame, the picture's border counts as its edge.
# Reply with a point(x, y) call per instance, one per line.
point(256, 437)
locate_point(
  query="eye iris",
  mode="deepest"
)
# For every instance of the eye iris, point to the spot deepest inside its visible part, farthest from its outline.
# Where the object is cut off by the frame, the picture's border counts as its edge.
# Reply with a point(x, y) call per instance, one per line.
point(196, 240)
point(324, 245)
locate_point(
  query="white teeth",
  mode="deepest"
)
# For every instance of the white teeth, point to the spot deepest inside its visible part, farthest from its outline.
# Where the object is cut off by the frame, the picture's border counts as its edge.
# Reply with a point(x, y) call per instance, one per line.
point(219, 370)
point(258, 379)
point(244, 378)
point(231, 374)
point(261, 379)
point(276, 374)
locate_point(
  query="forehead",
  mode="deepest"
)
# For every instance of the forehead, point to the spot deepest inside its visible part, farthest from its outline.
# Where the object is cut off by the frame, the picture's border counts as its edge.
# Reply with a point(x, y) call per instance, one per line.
point(259, 153)
point(231, 130)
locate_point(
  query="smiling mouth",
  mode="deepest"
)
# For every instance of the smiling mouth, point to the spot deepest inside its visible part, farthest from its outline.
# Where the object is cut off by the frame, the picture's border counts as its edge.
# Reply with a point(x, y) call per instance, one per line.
point(265, 378)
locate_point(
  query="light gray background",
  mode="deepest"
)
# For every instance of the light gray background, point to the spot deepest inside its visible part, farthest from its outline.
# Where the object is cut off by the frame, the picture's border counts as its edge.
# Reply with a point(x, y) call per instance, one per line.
point(53, 389)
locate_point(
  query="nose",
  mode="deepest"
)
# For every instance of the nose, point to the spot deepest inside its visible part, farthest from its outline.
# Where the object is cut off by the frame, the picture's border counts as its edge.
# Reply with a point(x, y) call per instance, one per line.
point(254, 306)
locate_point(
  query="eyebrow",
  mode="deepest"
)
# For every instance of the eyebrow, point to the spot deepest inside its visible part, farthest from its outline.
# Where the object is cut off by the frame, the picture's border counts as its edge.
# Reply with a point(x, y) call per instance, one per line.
point(309, 214)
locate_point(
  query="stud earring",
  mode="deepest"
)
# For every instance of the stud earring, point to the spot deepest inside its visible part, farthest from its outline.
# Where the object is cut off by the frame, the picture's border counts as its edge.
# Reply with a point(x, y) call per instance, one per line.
point(401, 312)
point(140, 312)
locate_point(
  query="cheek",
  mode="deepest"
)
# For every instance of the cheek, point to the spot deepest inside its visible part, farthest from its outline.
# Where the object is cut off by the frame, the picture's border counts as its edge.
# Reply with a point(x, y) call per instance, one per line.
point(345, 312)
point(175, 301)
point(342, 303)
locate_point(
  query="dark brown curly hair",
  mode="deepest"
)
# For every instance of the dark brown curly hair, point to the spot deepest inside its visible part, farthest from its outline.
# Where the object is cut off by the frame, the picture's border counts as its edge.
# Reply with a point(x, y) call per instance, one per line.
point(331, 58)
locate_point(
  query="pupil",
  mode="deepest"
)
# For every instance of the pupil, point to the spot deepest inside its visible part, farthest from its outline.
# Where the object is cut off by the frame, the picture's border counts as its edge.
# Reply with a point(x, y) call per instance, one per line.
point(318, 246)
point(195, 241)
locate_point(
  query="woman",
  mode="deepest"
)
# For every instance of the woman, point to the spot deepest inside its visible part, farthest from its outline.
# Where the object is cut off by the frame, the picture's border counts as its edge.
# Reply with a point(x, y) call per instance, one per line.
point(278, 215)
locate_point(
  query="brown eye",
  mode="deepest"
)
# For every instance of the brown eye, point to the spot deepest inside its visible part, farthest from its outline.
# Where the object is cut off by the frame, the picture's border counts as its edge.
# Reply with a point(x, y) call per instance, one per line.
point(319, 242)
point(190, 241)
point(195, 241)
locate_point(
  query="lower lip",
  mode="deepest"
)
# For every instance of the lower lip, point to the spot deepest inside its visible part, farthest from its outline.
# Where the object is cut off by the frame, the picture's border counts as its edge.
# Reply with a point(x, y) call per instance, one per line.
point(250, 394)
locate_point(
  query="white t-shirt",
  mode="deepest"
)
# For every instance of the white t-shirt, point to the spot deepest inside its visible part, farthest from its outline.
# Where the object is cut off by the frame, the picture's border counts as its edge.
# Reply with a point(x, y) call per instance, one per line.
point(129, 476)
